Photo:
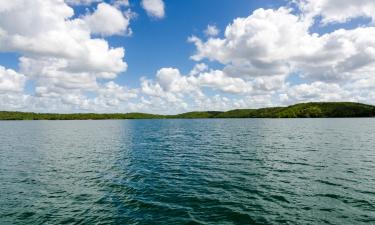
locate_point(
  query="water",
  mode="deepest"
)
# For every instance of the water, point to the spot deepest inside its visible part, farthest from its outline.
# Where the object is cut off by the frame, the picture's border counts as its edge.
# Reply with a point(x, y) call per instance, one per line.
point(232, 171)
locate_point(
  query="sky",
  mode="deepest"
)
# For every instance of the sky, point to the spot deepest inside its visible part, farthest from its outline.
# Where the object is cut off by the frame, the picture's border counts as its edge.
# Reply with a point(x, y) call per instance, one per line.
point(168, 56)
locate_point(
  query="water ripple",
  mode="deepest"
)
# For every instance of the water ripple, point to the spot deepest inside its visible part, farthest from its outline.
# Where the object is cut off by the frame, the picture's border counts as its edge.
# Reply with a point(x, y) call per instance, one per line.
point(240, 171)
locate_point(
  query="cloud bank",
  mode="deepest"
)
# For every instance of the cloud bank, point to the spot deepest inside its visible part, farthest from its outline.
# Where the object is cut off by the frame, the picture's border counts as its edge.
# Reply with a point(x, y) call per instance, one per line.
point(271, 57)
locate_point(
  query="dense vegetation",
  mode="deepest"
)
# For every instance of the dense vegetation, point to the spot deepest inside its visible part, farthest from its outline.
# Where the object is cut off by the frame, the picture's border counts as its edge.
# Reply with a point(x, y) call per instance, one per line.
point(306, 110)
point(303, 110)
point(75, 116)
point(192, 115)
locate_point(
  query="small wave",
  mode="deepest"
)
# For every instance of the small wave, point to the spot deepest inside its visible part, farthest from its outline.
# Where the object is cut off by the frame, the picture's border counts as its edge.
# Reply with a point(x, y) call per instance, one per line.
point(328, 183)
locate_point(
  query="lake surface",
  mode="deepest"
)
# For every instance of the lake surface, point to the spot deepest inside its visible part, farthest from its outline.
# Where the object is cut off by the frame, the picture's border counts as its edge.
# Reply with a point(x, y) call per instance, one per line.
point(213, 171)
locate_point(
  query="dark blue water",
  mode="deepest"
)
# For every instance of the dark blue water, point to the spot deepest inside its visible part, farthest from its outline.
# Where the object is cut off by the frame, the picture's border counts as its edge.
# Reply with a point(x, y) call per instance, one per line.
point(232, 171)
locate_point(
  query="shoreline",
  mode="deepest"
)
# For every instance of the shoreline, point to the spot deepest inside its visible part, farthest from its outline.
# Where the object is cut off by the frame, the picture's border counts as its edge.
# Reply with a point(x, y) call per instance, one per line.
point(301, 110)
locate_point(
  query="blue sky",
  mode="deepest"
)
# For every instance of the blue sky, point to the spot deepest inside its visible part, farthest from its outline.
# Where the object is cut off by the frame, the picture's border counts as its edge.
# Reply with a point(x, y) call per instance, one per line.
point(158, 43)
point(68, 55)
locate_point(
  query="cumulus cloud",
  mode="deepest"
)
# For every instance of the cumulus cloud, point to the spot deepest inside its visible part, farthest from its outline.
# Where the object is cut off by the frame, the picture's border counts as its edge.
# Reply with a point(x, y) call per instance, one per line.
point(171, 84)
point(111, 95)
point(338, 11)
point(211, 30)
point(107, 20)
point(31, 23)
point(259, 45)
point(276, 42)
point(120, 3)
point(342, 55)
point(171, 80)
point(58, 50)
point(253, 63)
point(81, 2)
point(261, 51)
point(11, 81)
point(268, 46)
point(14, 101)
point(316, 91)
point(117, 3)
point(154, 8)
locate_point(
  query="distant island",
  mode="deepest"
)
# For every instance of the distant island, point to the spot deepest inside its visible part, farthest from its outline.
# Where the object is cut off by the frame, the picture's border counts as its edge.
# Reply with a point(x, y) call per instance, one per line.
point(302, 110)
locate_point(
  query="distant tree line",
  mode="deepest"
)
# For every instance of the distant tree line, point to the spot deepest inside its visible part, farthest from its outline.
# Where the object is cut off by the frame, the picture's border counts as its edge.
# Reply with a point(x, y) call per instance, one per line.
point(302, 110)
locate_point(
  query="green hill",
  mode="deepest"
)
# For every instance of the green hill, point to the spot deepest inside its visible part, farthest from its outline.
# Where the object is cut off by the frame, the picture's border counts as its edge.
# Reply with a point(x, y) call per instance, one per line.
point(75, 116)
point(193, 115)
point(306, 110)
point(302, 110)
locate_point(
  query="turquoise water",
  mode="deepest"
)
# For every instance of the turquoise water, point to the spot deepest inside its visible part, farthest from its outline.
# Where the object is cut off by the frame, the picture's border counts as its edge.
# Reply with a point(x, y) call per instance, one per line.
point(231, 171)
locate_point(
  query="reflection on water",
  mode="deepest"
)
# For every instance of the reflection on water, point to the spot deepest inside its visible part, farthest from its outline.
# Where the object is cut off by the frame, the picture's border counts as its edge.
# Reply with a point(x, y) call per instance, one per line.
point(231, 171)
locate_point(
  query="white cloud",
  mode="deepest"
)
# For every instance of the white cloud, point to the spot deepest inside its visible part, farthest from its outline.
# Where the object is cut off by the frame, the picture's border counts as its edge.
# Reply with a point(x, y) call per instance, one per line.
point(342, 55)
point(154, 8)
point(170, 83)
point(333, 11)
point(59, 52)
point(120, 3)
point(171, 80)
point(116, 3)
point(317, 91)
point(31, 23)
point(259, 45)
point(81, 2)
point(11, 81)
point(108, 97)
point(112, 94)
point(198, 68)
point(107, 20)
point(255, 59)
point(265, 48)
point(14, 101)
point(217, 79)
point(211, 30)
point(60, 55)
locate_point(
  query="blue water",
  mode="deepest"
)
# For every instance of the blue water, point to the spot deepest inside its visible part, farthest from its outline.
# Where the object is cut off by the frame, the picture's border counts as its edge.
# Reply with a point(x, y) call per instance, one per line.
point(214, 171)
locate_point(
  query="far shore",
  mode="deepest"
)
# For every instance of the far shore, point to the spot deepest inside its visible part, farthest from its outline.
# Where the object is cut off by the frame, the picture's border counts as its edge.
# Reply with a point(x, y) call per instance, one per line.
point(302, 110)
